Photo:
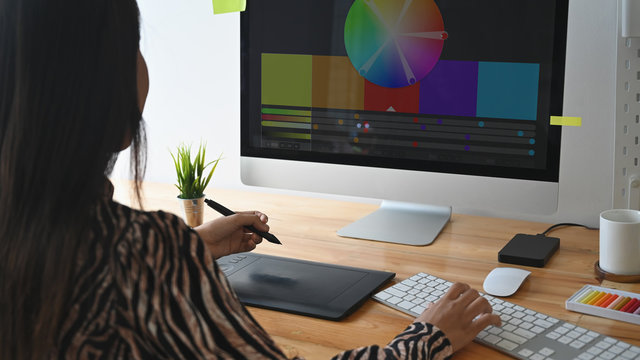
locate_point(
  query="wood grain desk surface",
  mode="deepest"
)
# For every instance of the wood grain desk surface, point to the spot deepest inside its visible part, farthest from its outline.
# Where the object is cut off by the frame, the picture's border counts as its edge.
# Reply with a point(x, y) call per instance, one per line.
point(465, 251)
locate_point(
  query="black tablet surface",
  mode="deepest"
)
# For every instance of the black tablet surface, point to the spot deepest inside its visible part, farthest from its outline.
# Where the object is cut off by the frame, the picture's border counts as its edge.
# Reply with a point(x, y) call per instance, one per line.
point(302, 287)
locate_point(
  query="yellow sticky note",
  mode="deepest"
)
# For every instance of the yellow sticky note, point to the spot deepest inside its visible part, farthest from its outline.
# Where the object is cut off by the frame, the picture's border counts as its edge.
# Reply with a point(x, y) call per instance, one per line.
point(227, 6)
point(566, 121)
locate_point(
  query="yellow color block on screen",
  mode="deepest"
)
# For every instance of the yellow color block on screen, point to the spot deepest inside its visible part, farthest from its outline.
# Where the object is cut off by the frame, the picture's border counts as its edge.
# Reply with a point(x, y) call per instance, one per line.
point(227, 6)
point(566, 121)
point(286, 79)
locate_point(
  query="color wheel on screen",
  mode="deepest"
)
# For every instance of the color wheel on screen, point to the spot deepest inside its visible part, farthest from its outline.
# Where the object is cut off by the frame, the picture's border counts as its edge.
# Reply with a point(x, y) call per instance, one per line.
point(394, 43)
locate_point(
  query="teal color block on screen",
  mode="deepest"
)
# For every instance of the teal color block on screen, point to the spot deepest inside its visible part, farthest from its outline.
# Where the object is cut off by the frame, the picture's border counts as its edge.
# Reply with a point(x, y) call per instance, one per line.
point(508, 90)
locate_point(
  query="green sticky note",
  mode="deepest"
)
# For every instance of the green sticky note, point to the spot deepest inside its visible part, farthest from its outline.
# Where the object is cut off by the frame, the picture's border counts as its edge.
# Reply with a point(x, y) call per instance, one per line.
point(227, 6)
point(566, 121)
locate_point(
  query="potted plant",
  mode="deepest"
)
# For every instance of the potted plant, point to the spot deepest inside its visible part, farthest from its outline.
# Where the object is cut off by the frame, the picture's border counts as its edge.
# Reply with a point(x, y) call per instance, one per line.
point(192, 181)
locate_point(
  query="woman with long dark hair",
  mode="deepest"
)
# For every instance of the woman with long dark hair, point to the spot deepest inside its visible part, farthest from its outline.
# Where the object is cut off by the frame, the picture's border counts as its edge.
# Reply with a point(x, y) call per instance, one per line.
point(82, 276)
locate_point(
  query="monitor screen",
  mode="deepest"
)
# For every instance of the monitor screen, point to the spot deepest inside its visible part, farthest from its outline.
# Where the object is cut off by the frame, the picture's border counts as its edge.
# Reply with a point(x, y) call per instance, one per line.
point(448, 86)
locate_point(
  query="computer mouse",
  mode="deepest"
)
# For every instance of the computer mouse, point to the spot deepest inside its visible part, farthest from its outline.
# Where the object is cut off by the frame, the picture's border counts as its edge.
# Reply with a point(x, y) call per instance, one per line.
point(504, 281)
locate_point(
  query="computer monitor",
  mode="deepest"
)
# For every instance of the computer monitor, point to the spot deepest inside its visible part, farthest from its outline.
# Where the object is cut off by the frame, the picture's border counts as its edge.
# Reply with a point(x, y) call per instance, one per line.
point(425, 104)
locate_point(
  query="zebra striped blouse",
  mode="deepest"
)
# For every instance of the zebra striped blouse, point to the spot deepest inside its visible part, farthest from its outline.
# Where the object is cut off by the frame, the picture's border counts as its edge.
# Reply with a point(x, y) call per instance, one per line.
point(147, 288)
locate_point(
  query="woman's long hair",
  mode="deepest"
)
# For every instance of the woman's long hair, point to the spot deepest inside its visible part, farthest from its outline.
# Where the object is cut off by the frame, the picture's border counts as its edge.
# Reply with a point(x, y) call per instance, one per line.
point(68, 101)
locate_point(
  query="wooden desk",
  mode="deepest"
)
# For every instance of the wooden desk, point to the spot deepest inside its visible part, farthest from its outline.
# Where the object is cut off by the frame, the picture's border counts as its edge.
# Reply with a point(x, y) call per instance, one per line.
point(465, 251)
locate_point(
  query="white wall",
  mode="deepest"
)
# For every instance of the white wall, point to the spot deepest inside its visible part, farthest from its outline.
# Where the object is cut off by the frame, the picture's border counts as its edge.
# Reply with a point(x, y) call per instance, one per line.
point(193, 58)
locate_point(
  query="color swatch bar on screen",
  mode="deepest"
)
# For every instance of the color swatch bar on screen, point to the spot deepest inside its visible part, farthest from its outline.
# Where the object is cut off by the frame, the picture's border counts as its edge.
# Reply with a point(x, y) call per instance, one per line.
point(499, 90)
point(276, 111)
point(291, 124)
point(605, 302)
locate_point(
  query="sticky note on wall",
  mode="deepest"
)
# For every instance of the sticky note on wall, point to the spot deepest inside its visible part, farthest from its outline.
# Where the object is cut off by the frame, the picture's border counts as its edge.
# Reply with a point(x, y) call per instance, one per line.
point(227, 6)
point(566, 121)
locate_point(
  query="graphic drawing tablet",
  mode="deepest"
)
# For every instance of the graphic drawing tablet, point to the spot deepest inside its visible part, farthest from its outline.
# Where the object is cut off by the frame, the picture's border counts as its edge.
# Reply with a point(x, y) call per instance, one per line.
point(301, 287)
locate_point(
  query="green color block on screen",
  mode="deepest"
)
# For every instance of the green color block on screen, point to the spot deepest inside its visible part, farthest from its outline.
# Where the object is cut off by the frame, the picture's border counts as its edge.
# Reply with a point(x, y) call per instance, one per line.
point(286, 135)
point(227, 6)
point(286, 112)
point(286, 79)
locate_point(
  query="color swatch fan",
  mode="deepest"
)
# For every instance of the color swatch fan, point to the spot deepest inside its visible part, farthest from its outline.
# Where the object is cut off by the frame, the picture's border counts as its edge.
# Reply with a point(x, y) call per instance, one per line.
point(394, 43)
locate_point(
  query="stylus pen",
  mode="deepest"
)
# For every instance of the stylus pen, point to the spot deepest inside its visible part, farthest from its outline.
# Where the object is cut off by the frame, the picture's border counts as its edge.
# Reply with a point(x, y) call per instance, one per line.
point(226, 212)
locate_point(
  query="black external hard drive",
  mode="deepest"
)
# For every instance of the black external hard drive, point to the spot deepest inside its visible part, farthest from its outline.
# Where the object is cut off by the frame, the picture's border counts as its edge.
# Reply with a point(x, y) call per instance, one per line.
point(529, 250)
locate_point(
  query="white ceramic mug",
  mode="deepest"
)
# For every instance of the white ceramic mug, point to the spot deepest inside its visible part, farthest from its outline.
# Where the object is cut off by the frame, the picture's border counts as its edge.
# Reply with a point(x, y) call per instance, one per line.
point(620, 241)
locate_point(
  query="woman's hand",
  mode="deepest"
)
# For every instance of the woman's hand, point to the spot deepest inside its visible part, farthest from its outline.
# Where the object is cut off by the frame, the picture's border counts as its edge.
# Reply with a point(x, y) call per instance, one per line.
point(228, 235)
point(461, 314)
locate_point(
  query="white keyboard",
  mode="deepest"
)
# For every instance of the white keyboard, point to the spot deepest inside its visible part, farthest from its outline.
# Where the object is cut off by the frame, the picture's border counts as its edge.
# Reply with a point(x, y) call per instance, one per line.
point(525, 333)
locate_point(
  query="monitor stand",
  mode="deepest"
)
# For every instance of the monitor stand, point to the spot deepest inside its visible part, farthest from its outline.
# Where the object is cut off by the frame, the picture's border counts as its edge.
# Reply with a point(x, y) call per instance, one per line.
point(401, 223)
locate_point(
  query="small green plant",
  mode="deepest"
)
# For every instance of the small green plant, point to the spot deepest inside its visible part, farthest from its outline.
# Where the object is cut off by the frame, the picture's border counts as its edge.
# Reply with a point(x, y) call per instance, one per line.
point(191, 181)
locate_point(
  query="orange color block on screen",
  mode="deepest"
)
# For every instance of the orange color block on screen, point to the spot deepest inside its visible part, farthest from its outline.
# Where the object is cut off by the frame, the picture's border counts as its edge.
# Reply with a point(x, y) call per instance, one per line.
point(336, 83)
